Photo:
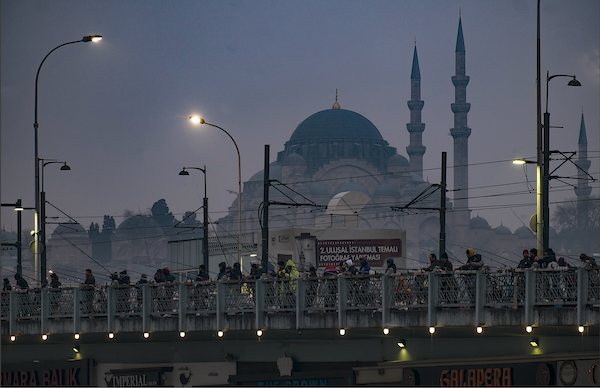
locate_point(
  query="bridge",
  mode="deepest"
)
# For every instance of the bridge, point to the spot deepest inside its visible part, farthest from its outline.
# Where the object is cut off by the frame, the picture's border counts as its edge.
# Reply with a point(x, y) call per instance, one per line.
point(338, 330)
point(411, 299)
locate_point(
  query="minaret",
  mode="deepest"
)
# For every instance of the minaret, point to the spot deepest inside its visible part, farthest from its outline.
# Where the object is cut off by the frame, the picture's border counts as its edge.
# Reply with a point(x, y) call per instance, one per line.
point(461, 134)
point(416, 149)
point(583, 190)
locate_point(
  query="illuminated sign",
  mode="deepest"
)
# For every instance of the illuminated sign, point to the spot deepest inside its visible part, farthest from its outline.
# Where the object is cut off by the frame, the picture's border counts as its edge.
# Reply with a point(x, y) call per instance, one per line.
point(489, 377)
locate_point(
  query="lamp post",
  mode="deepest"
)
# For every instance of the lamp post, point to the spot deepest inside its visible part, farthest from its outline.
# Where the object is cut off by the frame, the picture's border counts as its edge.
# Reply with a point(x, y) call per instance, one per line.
point(205, 222)
point(91, 38)
point(545, 222)
point(200, 120)
point(42, 246)
point(18, 207)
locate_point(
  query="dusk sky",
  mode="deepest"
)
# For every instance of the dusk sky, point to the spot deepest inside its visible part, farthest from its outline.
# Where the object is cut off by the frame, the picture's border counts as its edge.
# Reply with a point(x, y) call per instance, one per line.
point(117, 111)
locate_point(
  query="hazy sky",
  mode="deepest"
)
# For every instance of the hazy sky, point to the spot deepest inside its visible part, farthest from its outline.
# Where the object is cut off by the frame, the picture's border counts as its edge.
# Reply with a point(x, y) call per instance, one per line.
point(117, 110)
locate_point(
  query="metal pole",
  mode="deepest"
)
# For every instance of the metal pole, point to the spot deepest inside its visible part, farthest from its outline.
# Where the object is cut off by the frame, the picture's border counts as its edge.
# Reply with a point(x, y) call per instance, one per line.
point(443, 208)
point(19, 242)
point(42, 243)
point(205, 238)
point(265, 217)
point(539, 133)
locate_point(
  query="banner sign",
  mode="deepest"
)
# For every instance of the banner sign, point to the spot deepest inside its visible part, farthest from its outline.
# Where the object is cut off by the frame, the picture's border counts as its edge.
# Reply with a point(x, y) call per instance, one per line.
point(377, 251)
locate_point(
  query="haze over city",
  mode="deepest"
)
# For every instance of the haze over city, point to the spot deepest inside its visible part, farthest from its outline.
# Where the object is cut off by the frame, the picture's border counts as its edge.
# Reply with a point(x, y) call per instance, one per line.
point(117, 111)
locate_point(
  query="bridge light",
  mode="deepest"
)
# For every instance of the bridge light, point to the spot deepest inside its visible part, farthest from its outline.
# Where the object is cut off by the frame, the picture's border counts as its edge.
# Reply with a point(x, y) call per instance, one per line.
point(76, 349)
point(259, 333)
point(534, 342)
point(479, 329)
point(529, 329)
point(581, 329)
point(111, 335)
point(431, 329)
point(220, 333)
point(182, 334)
point(342, 331)
point(146, 334)
point(44, 337)
point(386, 331)
point(402, 343)
point(76, 336)
point(13, 338)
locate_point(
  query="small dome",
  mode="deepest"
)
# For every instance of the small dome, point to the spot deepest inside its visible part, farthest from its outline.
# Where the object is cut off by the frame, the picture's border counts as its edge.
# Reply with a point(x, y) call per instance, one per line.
point(274, 172)
point(503, 230)
point(336, 124)
point(69, 228)
point(524, 232)
point(351, 186)
point(385, 190)
point(318, 189)
point(479, 223)
point(398, 160)
point(294, 159)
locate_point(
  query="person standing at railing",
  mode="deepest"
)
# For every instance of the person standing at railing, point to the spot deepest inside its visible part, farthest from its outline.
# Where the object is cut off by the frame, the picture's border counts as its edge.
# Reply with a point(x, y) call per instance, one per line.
point(6, 286)
point(54, 282)
point(222, 271)
point(21, 283)
point(391, 267)
point(474, 260)
point(202, 273)
point(88, 291)
point(526, 262)
point(588, 261)
point(255, 270)
point(549, 259)
point(446, 264)
point(433, 263)
point(534, 258)
point(287, 292)
point(365, 268)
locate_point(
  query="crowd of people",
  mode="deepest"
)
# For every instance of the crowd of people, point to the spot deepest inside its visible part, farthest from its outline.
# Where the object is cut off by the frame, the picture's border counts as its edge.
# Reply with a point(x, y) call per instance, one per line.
point(287, 270)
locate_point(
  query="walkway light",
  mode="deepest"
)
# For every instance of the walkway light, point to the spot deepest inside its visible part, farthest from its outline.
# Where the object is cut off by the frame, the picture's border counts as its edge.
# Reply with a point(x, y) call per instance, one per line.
point(13, 338)
point(386, 331)
point(146, 334)
point(76, 349)
point(76, 336)
point(581, 329)
point(479, 329)
point(259, 333)
point(182, 334)
point(44, 337)
point(220, 333)
point(529, 329)
point(535, 342)
point(402, 343)
point(342, 331)
point(111, 335)
point(431, 329)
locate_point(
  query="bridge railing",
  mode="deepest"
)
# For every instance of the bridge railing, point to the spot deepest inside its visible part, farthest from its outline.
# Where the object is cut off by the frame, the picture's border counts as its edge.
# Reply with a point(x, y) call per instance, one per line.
point(389, 294)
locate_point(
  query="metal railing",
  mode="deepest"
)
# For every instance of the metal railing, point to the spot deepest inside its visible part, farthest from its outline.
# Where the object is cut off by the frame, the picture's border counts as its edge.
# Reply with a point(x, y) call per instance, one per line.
point(436, 291)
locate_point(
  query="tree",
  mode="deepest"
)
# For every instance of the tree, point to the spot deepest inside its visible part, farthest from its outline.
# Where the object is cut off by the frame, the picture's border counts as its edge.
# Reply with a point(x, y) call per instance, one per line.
point(572, 236)
point(189, 219)
point(161, 214)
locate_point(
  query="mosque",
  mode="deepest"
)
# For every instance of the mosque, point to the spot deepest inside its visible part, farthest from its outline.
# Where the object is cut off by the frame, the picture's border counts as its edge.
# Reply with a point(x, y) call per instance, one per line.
point(338, 150)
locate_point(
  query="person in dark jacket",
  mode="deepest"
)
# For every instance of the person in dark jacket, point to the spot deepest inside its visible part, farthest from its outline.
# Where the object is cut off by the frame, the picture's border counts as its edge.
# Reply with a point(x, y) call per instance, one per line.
point(236, 272)
point(124, 279)
point(365, 268)
point(202, 273)
point(433, 263)
point(54, 282)
point(222, 271)
point(474, 260)
point(549, 257)
point(391, 267)
point(21, 283)
point(446, 265)
point(169, 276)
point(6, 286)
point(526, 262)
point(90, 280)
point(255, 270)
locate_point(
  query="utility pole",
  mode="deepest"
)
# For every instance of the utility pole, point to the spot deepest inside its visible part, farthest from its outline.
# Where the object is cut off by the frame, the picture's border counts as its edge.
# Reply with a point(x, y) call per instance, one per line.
point(265, 216)
point(443, 207)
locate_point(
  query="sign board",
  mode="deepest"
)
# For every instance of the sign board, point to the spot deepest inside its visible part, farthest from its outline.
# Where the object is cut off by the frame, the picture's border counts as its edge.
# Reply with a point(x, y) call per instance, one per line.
point(376, 251)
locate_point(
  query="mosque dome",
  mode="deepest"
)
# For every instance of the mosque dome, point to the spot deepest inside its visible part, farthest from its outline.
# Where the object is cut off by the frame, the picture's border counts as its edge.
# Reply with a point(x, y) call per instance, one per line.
point(398, 160)
point(294, 159)
point(385, 190)
point(479, 223)
point(69, 228)
point(524, 232)
point(503, 230)
point(336, 124)
point(351, 186)
point(274, 173)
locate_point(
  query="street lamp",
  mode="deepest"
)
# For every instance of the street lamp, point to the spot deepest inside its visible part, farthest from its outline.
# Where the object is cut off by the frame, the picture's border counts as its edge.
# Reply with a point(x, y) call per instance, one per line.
point(90, 38)
point(200, 120)
point(42, 246)
point(205, 206)
point(545, 221)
